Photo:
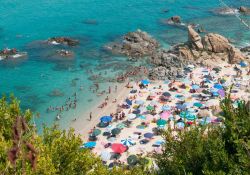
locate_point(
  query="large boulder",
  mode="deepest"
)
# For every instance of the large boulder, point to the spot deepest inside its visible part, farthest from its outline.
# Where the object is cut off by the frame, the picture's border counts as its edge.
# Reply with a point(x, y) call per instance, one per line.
point(245, 10)
point(134, 44)
point(174, 20)
point(194, 39)
point(235, 55)
point(216, 43)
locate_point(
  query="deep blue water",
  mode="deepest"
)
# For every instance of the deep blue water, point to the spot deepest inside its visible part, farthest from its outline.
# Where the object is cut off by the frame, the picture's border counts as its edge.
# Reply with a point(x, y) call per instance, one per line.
point(24, 23)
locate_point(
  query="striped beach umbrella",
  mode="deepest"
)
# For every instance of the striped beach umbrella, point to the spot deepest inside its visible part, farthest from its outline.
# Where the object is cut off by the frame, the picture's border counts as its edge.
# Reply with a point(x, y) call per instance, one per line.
point(127, 142)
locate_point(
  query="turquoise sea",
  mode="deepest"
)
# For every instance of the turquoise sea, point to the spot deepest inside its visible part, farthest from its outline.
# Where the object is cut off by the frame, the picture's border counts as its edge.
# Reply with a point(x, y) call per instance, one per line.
point(23, 24)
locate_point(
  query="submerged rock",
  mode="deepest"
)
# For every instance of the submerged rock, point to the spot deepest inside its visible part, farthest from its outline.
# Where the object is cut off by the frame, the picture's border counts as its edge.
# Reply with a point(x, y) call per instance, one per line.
point(134, 44)
point(174, 20)
point(56, 93)
point(63, 40)
point(226, 11)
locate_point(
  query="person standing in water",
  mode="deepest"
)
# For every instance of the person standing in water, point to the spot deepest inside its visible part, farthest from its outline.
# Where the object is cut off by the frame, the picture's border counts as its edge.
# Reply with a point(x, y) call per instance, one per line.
point(90, 116)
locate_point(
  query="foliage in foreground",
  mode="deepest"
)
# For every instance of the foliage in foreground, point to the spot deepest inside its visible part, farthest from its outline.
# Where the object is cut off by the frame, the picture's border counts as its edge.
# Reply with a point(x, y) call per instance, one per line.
point(202, 150)
point(23, 151)
point(211, 149)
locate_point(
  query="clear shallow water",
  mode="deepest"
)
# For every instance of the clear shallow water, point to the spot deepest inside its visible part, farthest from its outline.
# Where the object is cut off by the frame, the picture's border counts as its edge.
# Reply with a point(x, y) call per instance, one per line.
point(24, 23)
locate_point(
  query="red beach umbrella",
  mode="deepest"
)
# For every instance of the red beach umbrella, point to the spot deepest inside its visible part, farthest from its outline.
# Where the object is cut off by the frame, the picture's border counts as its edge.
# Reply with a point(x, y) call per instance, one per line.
point(118, 148)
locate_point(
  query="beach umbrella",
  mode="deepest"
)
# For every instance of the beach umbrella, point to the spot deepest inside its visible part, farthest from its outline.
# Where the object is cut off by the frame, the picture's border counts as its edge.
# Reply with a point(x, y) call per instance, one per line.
point(166, 94)
point(165, 115)
point(140, 126)
point(154, 103)
point(133, 91)
point(139, 102)
point(102, 125)
point(218, 86)
point(118, 148)
point(106, 134)
point(159, 142)
point(188, 104)
point(121, 125)
point(89, 145)
point(204, 91)
point(165, 108)
point(142, 117)
point(198, 105)
point(221, 92)
point(131, 116)
point(181, 106)
point(106, 119)
point(115, 131)
point(129, 102)
point(132, 160)
point(243, 64)
point(195, 86)
point(145, 82)
point(149, 135)
point(105, 155)
point(96, 132)
point(136, 111)
point(161, 122)
point(150, 108)
point(180, 125)
point(127, 142)
point(92, 138)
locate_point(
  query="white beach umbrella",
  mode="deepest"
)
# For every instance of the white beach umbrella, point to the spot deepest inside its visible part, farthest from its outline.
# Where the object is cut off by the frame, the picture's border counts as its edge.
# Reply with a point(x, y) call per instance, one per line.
point(105, 155)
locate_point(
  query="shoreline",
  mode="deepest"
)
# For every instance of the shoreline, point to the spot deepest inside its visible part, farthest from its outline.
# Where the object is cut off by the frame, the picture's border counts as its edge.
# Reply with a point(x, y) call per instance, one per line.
point(83, 125)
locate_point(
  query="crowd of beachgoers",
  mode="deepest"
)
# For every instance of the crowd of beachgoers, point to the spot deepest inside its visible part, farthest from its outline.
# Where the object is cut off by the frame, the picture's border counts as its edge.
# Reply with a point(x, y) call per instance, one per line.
point(152, 106)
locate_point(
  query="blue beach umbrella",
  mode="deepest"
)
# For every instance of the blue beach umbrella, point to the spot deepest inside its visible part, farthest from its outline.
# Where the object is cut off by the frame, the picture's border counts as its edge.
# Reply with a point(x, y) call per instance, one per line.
point(198, 105)
point(165, 108)
point(195, 86)
point(243, 64)
point(149, 135)
point(89, 145)
point(218, 86)
point(180, 125)
point(129, 102)
point(136, 111)
point(106, 119)
point(181, 106)
point(145, 82)
point(139, 102)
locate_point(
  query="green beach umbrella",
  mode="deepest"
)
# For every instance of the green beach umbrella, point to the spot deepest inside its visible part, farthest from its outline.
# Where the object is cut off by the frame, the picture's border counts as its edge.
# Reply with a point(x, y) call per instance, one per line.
point(161, 122)
point(96, 132)
point(150, 108)
point(115, 131)
point(121, 125)
point(198, 105)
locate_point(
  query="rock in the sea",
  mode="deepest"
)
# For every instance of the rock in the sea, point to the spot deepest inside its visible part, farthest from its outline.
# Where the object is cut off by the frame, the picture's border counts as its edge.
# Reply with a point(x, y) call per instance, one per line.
point(56, 93)
point(135, 44)
point(194, 39)
point(63, 40)
point(245, 10)
point(174, 20)
point(216, 43)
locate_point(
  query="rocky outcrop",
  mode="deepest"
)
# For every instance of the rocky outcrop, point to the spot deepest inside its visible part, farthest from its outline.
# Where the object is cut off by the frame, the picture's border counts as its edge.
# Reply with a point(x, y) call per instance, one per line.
point(215, 43)
point(174, 20)
point(212, 47)
point(194, 38)
point(169, 65)
point(244, 10)
point(134, 44)
point(63, 40)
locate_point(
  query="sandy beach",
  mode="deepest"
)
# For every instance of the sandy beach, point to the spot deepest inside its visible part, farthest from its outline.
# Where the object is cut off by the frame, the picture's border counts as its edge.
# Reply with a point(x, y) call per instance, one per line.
point(191, 101)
